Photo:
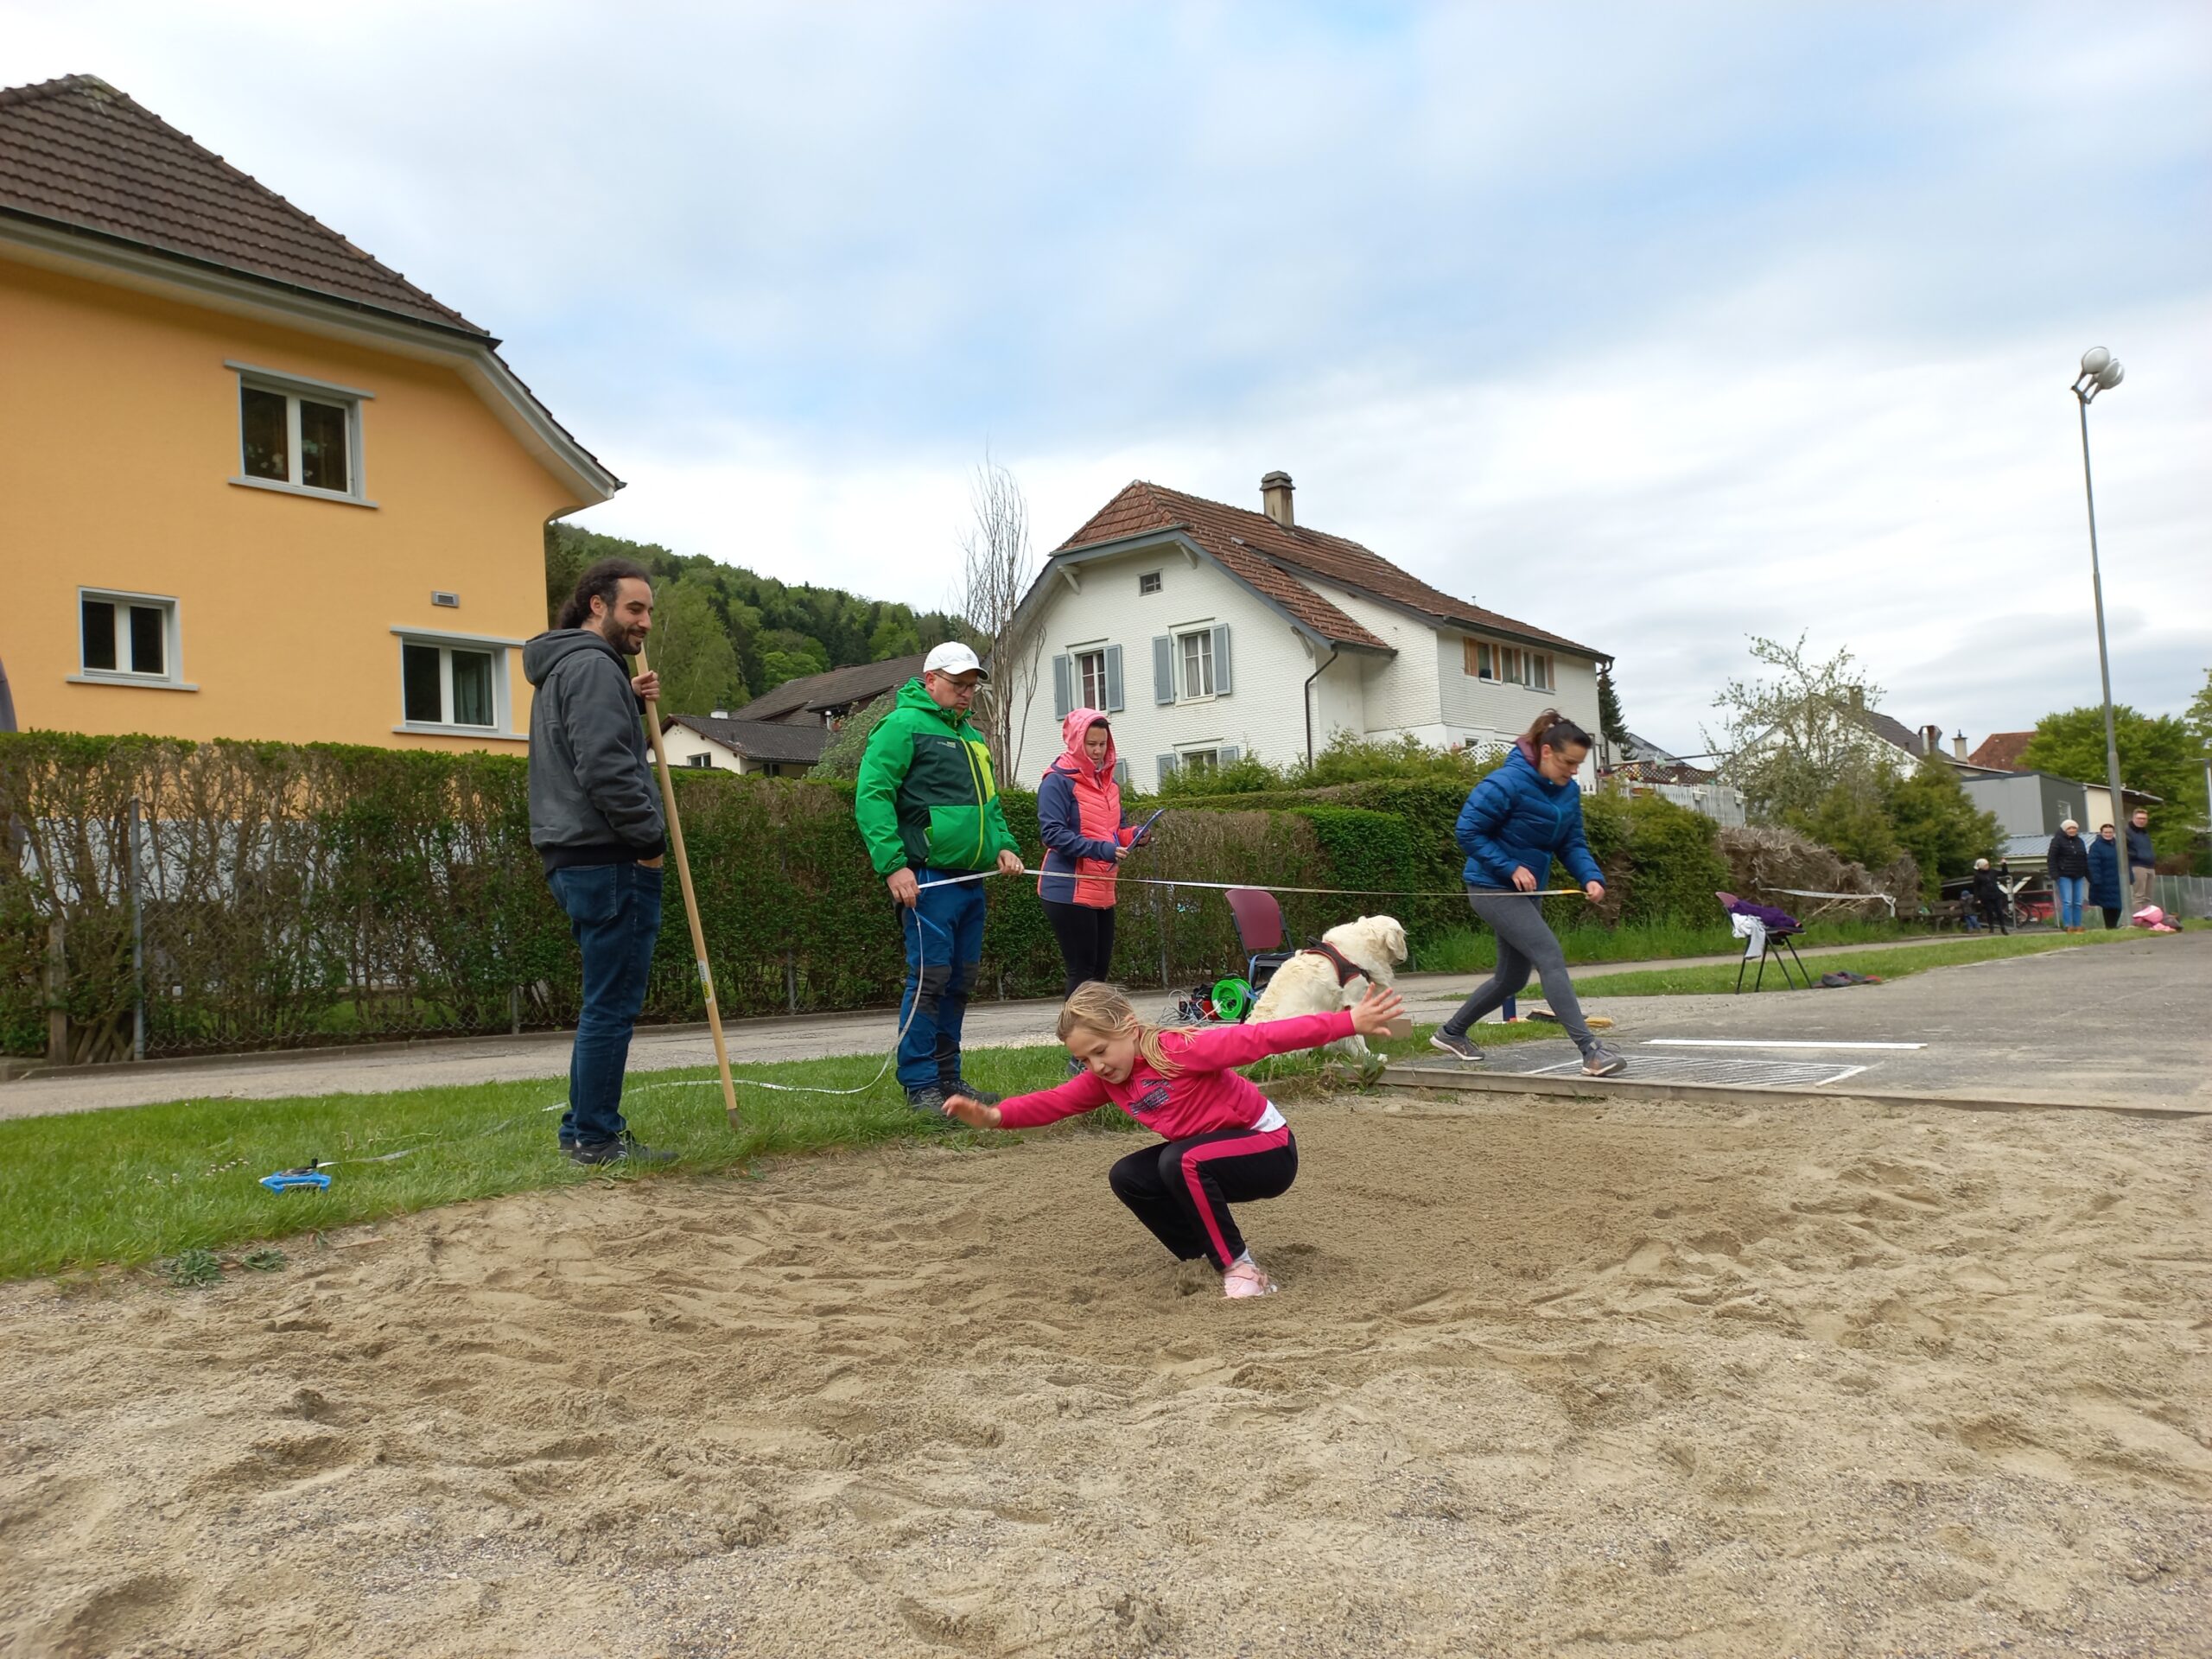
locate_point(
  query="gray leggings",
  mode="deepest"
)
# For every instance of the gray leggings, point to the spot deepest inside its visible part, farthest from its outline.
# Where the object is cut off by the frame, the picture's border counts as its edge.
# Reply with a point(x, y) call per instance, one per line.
point(1523, 944)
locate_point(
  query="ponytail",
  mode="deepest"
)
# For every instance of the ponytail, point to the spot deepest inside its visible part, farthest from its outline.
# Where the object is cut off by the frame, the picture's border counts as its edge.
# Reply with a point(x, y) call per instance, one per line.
point(1555, 731)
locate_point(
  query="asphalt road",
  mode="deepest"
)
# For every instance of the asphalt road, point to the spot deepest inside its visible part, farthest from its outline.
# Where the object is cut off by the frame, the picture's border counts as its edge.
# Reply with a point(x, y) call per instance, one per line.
point(2101, 1024)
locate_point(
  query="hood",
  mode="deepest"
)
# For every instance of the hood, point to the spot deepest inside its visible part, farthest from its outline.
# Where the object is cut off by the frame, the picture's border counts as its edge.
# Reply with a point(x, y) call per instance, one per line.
point(1078, 722)
point(540, 655)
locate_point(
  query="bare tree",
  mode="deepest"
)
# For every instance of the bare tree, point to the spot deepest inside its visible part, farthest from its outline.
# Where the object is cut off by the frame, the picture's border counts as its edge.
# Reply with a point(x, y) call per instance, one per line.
point(1791, 741)
point(997, 567)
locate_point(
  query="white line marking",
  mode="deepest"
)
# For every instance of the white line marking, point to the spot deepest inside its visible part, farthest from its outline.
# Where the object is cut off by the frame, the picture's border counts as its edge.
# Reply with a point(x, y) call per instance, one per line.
point(1732, 1042)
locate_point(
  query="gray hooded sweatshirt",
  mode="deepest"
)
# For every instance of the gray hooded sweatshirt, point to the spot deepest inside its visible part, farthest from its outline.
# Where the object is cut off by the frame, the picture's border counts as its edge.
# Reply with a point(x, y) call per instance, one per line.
point(592, 799)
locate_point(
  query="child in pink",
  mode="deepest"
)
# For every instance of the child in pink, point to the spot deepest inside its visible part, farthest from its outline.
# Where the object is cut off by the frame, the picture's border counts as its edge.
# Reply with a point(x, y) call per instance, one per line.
point(1225, 1141)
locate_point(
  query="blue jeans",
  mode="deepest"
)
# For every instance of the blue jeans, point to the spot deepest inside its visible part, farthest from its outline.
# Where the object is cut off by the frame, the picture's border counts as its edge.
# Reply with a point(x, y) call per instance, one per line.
point(2072, 890)
point(944, 941)
point(614, 913)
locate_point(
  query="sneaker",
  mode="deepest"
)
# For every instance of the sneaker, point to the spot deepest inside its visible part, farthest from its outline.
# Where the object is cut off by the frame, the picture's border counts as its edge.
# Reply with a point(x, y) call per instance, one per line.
point(625, 1148)
point(1245, 1279)
point(929, 1101)
point(961, 1086)
point(1603, 1062)
point(1457, 1047)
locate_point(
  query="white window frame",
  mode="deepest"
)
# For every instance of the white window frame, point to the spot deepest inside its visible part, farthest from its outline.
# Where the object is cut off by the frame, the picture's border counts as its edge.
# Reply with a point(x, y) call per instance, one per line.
point(292, 388)
point(1080, 675)
point(1154, 577)
point(172, 677)
point(502, 726)
point(1203, 631)
point(1540, 671)
point(1198, 761)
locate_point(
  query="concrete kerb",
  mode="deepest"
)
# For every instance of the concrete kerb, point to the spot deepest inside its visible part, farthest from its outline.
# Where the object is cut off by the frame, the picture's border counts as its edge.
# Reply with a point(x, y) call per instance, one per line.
point(1419, 1079)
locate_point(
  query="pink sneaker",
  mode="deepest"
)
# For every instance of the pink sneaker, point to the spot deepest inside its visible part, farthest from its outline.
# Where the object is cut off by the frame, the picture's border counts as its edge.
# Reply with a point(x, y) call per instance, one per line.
point(1245, 1279)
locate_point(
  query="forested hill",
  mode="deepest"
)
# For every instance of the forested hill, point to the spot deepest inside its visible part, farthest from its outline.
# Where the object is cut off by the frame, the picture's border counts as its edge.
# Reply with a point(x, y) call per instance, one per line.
point(722, 634)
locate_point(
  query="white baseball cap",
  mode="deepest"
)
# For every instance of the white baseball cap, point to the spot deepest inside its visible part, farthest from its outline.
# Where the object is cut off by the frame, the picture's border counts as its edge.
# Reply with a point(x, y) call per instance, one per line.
point(952, 658)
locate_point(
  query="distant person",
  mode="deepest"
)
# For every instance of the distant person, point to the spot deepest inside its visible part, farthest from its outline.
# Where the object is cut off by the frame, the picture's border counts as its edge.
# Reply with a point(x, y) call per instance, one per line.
point(1079, 816)
point(2069, 873)
point(928, 808)
point(1515, 822)
point(2142, 862)
point(2105, 889)
point(1988, 896)
point(595, 820)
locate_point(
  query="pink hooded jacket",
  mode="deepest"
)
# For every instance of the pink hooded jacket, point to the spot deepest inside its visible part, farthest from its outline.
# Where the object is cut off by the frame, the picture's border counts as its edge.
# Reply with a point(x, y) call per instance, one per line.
point(1079, 816)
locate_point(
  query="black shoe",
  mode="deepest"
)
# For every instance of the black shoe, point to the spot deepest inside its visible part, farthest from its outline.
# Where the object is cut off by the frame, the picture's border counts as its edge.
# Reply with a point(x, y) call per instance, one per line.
point(961, 1086)
point(928, 1099)
point(625, 1148)
point(1459, 1047)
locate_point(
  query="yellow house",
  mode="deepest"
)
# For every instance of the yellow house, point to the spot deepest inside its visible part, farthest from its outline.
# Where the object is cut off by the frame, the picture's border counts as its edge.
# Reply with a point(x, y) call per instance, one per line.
point(253, 483)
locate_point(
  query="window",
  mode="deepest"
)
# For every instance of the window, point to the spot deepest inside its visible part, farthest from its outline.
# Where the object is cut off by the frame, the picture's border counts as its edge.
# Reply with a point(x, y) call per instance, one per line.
point(129, 637)
point(445, 684)
point(702, 759)
point(1197, 761)
point(1090, 674)
point(1149, 582)
point(298, 435)
point(1197, 651)
point(1478, 662)
point(1540, 671)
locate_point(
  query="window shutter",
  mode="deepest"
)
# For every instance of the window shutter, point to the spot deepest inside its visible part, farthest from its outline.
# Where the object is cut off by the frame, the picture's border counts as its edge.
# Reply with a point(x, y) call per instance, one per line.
point(1113, 680)
point(1221, 683)
point(1122, 774)
point(1163, 670)
point(1166, 768)
point(1228, 755)
point(1063, 686)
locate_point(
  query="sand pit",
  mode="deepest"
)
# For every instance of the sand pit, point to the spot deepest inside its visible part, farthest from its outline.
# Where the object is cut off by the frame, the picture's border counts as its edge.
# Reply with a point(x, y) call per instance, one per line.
point(1817, 1378)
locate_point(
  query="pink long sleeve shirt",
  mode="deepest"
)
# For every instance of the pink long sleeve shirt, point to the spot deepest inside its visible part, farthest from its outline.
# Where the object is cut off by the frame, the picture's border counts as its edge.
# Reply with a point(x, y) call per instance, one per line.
point(1203, 1096)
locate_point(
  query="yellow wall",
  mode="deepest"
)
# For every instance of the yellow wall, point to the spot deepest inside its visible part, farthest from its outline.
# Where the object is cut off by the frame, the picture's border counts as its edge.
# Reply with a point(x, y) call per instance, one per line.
point(119, 434)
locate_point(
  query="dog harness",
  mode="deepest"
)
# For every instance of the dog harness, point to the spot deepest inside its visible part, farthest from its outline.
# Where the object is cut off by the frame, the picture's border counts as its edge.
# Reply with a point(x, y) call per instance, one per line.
point(1347, 970)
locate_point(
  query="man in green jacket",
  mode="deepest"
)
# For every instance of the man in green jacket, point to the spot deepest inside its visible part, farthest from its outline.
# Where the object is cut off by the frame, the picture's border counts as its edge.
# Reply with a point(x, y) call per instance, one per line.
point(929, 811)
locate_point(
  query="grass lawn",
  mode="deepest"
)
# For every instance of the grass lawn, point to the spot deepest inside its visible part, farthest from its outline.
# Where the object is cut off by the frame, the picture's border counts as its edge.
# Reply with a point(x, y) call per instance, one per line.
point(1889, 964)
point(182, 1179)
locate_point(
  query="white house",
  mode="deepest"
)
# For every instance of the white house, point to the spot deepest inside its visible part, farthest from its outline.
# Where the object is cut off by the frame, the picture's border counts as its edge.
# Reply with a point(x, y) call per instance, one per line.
point(770, 748)
point(1210, 633)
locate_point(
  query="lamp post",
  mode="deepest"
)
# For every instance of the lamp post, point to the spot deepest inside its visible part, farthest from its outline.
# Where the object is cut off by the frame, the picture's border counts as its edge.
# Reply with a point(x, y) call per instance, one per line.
point(2100, 371)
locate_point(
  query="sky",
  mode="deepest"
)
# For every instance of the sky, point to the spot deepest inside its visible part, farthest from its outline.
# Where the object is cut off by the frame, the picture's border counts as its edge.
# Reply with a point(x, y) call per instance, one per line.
point(1655, 326)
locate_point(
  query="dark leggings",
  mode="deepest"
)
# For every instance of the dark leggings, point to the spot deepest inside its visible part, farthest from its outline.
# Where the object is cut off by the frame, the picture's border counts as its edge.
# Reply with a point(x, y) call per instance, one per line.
point(2112, 915)
point(1086, 936)
point(1182, 1190)
point(1524, 946)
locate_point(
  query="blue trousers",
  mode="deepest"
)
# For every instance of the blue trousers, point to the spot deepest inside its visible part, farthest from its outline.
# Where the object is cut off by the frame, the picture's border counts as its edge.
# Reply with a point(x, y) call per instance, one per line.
point(944, 941)
point(2072, 890)
point(614, 913)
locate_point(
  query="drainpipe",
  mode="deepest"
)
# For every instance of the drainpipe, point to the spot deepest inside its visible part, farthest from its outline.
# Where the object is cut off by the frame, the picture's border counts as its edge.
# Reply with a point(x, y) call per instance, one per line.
point(1307, 697)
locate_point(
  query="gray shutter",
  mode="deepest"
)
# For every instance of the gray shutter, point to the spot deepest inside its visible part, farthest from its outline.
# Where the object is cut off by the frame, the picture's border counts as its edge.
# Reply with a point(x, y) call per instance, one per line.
point(1113, 680)
point(1228, 755)
point(1122, 774)
point(1221, 683)
point(1063, 687)
point(1163, 669)
point(1167, 767)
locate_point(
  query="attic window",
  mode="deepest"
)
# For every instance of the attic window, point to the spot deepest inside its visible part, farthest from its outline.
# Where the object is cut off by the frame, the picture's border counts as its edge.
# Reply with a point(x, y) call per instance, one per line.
point(1149, 582)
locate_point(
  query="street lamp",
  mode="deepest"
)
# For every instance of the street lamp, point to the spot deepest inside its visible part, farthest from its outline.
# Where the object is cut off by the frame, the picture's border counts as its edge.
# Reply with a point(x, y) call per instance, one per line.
point(2100, 371)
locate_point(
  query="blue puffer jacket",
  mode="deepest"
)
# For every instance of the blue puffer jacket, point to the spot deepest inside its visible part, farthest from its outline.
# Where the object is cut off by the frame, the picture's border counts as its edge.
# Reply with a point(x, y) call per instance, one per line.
point(2104, 874)
point(1517, 817)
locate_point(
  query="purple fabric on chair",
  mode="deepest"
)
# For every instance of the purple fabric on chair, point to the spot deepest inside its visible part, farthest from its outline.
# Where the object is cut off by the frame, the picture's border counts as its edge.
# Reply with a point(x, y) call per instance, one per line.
point(1778, 921)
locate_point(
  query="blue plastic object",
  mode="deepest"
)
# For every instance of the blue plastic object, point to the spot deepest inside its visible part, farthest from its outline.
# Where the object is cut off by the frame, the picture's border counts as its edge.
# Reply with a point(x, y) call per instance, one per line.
point(288, 1177)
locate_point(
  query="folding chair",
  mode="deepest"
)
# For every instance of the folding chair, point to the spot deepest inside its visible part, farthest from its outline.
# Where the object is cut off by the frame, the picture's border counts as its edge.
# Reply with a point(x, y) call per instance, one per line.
point(1259, 930)
point(1773, 939)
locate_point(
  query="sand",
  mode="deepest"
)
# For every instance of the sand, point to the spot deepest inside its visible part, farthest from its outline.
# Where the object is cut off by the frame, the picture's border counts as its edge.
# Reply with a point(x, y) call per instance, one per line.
point(1817, 1378)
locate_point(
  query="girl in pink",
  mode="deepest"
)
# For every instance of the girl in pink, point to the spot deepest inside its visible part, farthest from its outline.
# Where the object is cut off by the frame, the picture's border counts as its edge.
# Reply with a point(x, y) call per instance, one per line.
point(1224, 1139)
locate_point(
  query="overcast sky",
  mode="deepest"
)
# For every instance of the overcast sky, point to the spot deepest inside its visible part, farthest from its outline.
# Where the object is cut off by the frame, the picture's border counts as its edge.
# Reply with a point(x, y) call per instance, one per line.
point(1653, 326)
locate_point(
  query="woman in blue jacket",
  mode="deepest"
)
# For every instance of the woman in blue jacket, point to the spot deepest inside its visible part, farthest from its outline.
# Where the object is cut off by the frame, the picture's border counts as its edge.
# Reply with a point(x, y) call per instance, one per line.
point(2105, 888)
point(1515, 821)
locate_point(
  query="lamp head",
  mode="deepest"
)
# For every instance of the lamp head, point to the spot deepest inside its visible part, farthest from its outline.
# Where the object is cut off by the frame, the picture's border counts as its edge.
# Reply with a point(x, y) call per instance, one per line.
point(2110, 375)
point(2095, 359)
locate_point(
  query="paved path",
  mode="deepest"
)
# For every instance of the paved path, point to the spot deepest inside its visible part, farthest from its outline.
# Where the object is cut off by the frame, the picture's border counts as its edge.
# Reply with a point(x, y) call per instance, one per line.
point(385, 1067)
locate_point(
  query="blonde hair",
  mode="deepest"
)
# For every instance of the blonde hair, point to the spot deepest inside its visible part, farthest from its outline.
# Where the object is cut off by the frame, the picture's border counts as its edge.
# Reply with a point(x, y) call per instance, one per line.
point(1096, 1006)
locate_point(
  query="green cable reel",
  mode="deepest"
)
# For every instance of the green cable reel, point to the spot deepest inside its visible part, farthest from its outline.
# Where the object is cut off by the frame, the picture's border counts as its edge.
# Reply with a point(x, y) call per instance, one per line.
point(1232, 999)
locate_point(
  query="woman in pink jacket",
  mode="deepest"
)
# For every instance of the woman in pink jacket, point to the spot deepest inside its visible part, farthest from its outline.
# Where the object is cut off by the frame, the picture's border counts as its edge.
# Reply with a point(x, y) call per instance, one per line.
point(1225, 1141)
point(1079, 817)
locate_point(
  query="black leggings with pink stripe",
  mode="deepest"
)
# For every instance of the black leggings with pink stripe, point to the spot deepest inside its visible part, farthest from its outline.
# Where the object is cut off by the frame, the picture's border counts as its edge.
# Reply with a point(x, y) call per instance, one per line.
point(1182, 1190)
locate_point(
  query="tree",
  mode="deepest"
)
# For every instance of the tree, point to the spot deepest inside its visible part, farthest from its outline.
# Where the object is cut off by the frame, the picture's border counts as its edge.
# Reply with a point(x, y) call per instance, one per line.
point(894, 636)
point(1933, 818)
point(1612, 725)
point(1799, 745)
point(2200, 714)
point(997, 567)
point(2160, 754)
point(690, 649)
point(841, 760)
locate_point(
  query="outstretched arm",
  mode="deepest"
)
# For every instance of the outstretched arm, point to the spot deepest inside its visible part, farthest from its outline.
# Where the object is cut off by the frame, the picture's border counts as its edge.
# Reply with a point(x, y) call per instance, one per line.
point(1224, 1046)
point(1078, 1095)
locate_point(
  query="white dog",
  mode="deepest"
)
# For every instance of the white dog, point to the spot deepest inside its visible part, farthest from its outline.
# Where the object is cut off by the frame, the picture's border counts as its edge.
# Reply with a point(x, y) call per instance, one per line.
point(1312, 982)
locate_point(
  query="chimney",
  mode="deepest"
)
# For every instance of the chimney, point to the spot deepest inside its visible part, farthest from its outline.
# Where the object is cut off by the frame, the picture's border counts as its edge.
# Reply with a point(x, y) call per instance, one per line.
point(1274, 494)
point(1858, 699)
point(1931, 742)
point(1959, 745)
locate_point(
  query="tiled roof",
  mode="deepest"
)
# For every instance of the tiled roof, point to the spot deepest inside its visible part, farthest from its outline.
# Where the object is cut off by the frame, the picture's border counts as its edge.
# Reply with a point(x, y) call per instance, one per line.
point(761, 740)
point(839, 688)
point(1893, 731)
point(78, 153)
point(1272, 559)
point(2000, 751)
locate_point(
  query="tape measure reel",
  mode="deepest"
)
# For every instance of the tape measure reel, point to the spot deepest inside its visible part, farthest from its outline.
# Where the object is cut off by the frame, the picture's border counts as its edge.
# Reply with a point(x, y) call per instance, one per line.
point(1232, 999)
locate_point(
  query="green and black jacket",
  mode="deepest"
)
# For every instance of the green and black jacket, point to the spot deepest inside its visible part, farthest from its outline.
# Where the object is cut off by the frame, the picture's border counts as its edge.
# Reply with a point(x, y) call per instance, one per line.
point(926, 798)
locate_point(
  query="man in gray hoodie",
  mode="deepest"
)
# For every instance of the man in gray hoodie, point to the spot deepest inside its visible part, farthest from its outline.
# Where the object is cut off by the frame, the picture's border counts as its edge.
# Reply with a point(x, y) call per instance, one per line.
point(595, 820)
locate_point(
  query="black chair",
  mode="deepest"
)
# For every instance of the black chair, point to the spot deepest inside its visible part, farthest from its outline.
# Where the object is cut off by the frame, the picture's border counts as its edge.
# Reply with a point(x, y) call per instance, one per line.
point(1774, 941)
